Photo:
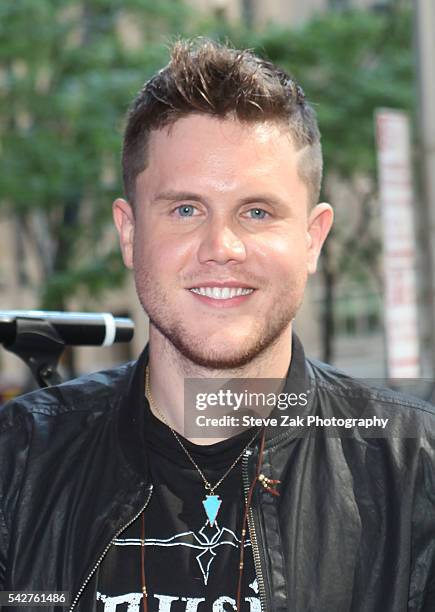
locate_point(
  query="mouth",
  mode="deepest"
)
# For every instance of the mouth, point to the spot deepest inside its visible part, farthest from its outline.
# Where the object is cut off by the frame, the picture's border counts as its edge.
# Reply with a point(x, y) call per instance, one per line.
point(222, 293)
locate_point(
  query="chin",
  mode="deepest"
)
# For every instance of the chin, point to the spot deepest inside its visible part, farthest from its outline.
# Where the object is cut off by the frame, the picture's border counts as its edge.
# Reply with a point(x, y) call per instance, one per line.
point(229, 359)
point(229, 354)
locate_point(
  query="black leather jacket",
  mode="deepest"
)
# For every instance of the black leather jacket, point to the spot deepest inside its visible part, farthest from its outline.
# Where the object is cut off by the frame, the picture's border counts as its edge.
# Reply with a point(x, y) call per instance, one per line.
point(352, 531)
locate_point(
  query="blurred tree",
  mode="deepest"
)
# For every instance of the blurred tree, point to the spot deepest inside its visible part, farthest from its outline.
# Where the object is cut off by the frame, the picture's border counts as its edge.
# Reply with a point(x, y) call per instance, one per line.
point(69, 69)
point(349, 64)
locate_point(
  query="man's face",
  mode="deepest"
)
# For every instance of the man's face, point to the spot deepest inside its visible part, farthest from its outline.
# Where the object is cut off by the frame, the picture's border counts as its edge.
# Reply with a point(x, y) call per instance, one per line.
point(222, 240)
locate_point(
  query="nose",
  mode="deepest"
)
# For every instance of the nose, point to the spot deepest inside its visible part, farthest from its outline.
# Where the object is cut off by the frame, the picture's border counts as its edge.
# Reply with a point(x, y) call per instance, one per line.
point(221, 244)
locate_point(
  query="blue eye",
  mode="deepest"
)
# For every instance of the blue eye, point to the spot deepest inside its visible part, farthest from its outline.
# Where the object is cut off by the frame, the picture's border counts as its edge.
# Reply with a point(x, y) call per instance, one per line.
point(186, 210)
point(257, 213)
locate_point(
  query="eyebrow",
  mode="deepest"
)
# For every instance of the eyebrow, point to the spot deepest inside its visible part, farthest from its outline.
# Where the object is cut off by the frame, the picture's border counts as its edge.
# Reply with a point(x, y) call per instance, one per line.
point(260, 198)
point(171, 196)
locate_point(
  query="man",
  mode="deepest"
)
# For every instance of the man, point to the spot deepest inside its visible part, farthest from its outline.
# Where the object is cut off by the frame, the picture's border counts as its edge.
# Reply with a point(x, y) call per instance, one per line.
point(101, 494)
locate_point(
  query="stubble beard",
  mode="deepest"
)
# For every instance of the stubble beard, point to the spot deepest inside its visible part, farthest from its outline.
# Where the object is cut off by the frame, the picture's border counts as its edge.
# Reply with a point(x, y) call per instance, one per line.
point(195, 348)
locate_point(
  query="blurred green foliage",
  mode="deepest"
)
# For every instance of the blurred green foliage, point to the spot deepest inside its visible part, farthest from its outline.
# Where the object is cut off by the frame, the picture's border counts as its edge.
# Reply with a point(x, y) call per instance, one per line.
point(67, 77)
point(349, 63)
point(68, 73)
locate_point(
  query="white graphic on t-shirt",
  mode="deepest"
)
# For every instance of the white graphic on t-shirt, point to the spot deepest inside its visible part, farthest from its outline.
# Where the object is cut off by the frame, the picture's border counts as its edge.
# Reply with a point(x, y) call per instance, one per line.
point(165, 602)
point(207, 540)
point(110, 603)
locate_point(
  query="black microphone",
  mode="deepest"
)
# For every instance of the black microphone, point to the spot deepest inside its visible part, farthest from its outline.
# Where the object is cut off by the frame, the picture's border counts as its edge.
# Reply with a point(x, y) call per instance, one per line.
point(74, 328)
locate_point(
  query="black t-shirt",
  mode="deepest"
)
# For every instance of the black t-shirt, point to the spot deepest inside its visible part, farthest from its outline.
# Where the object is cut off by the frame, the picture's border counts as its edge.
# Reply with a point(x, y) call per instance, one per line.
point(190, 566)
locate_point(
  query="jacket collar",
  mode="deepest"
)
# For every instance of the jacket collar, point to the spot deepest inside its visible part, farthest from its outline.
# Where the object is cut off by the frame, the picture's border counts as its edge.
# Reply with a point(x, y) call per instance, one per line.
point(298, 386)
point(131, 417)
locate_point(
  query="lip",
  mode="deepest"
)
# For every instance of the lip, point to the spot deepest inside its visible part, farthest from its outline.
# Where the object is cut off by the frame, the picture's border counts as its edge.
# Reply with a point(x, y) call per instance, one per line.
point(216, 283)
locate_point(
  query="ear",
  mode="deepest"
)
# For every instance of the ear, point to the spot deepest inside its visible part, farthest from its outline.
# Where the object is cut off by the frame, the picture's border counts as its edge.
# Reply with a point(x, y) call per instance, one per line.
point(319, 223)
point(124, 220)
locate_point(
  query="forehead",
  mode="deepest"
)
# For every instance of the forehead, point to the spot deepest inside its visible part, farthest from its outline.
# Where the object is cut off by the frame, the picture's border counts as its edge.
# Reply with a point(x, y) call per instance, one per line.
point(204, 132)
point(219, 153)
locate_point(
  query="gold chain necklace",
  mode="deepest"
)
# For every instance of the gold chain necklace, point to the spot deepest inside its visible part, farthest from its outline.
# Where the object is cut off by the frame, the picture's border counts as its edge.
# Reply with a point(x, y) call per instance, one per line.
point(211, 502)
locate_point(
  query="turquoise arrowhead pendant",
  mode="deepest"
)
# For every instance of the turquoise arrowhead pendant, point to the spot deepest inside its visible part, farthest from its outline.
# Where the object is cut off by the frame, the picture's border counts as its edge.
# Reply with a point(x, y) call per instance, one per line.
point(211, 504)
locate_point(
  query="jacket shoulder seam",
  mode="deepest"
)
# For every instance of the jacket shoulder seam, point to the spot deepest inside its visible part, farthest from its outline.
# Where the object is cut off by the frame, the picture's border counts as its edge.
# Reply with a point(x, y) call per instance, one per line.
point(57, 406)
point(66, 408)
point(378, 396)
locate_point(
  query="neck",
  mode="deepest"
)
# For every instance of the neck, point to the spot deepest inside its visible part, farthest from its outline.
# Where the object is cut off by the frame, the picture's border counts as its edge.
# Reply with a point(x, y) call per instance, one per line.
point(168, 369)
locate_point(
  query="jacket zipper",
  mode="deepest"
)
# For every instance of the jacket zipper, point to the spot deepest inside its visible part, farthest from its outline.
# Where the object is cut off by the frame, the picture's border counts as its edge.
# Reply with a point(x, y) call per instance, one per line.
point(103, 554)
point(253, 535)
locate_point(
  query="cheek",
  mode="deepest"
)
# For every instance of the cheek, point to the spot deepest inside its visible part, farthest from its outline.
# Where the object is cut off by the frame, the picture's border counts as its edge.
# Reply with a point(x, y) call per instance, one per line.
point(283, 254)
point(162, 256)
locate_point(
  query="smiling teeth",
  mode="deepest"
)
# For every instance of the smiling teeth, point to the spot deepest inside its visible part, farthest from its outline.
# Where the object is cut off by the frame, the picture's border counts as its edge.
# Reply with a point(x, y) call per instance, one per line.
point(221, 293)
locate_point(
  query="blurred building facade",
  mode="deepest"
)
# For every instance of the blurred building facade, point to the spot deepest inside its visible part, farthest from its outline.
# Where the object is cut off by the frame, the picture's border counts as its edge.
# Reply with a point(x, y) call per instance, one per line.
point(359, 329)
point(285, 12)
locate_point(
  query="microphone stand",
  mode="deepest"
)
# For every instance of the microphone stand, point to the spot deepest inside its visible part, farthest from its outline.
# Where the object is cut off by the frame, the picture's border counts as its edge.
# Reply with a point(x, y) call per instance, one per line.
point(39, 345)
